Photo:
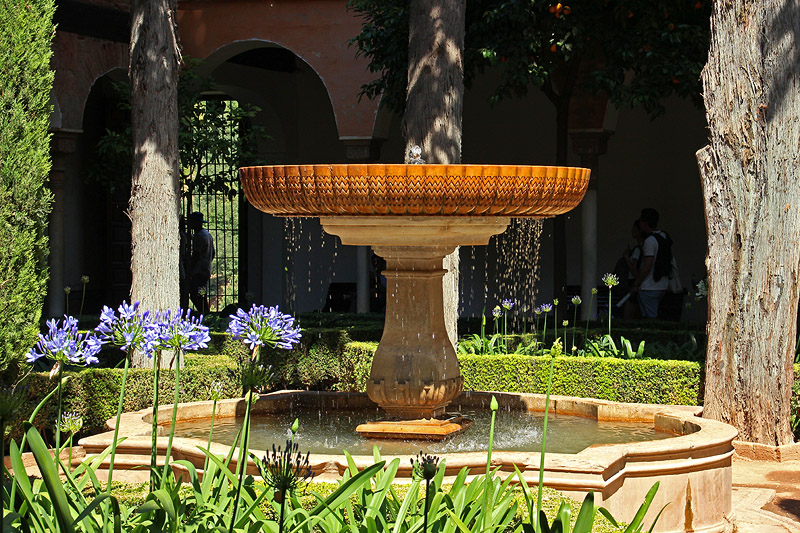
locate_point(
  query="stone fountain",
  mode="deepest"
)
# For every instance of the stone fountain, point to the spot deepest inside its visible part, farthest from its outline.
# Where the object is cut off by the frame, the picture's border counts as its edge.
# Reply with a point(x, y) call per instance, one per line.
point(413, 216)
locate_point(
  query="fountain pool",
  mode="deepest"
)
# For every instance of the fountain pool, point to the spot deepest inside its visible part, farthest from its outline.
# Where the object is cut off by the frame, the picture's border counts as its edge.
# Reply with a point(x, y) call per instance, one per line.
point(693, 466)
point(330, 432)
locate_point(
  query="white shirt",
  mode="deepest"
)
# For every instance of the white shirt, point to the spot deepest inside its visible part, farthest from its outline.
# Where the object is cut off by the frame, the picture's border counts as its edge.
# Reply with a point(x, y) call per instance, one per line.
point(650, 249)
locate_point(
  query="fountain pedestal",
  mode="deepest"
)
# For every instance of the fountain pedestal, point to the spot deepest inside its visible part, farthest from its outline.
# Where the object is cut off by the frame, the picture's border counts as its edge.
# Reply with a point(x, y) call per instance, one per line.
point(414, 215)
point(415, 372)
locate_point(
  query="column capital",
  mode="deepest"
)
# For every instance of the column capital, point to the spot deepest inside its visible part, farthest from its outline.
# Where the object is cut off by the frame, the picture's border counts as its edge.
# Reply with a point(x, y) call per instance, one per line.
point(362, 149)
point(590, 142)
point(63, 141)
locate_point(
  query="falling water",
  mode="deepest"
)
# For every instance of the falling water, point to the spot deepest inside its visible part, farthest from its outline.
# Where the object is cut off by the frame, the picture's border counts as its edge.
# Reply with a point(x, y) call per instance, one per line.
point(510, 269)
point(309, 259)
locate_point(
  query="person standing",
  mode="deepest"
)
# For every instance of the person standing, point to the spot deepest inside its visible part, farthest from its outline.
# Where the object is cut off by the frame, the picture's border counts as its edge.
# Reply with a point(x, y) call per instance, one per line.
point(200, 263)
point(649, 286)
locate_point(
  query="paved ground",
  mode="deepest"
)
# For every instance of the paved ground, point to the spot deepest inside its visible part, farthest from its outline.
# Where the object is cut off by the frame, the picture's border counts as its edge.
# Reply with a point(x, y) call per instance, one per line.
point(766, 496)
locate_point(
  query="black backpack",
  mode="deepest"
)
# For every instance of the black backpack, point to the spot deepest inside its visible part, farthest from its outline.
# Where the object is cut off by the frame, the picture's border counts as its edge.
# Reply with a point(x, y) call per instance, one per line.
point(662, 264)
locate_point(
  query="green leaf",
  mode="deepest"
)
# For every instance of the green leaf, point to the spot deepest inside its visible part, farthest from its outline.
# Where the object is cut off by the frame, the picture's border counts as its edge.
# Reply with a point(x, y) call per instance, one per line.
point(346, 489)
point(165, 502)
point(91, 507)
point(586, 514)
point(50, 476)
point(638, 518)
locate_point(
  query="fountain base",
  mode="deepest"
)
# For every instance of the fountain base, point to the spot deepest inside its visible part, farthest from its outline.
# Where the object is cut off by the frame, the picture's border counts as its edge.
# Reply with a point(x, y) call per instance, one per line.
point(421, 429)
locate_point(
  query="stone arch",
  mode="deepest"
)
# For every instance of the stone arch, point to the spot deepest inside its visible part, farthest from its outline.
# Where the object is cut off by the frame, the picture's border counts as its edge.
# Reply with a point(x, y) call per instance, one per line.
point(79, 62)
point(296, 106)
point(318, 34)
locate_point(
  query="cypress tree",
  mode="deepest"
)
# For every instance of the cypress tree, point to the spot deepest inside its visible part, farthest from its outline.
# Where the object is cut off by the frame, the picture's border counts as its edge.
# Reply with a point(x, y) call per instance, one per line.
point(26, 33)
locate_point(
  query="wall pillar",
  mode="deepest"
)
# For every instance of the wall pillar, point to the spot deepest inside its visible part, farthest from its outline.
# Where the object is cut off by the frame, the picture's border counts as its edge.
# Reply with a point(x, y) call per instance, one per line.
point(589, 145)
point(362, 150)
point(62, 145)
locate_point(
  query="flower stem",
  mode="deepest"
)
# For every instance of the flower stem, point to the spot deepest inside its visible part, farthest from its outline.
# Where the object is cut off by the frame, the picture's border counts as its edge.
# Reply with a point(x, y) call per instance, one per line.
point(210, 432)
point(544, 437)
point(58, 420)
point(176, 399)
point(83, 297)
point(574, 322)
point(283, 506)
point(69, 457)
point(154, 429)
point(116, 426)
point(609, 311)
point(544, 333)
point(488, 478)
point(241, 467)
point(588, 316)
point(505, 332)
point(427, 506)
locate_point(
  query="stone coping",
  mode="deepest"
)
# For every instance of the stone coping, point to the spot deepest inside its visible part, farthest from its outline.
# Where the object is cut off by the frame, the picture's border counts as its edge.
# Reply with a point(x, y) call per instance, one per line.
point(693, 467)
point(764, 452)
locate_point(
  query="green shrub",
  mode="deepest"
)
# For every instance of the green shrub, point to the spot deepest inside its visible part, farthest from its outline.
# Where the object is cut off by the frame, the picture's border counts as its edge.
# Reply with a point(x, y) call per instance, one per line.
point(26, 31)
point(620, 380)
point(93, 392)
point(327, 360)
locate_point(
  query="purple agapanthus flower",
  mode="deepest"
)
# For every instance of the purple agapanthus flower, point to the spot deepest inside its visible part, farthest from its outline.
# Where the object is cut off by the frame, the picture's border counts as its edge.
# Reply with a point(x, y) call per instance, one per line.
point(507, 304)
point(63, 344)
point(546, 308)
point(128, 330)
point(496, 312)
point(264, 326)
point(177, 330)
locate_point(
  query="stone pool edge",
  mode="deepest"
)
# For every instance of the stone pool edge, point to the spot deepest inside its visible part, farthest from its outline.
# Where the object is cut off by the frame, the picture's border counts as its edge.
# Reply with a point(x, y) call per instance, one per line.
point(693, 468)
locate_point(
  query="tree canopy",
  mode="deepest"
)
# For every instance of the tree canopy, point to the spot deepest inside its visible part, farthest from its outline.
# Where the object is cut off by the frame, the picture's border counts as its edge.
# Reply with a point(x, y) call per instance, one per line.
point(639, 51)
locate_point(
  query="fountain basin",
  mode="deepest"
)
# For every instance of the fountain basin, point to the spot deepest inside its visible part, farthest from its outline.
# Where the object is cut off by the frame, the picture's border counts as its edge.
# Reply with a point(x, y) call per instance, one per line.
point(416, 190)
point(693, 467)
point(413, 216)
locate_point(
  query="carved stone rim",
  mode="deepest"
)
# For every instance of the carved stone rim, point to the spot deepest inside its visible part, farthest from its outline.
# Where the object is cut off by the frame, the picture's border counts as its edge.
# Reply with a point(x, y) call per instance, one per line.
point(414, 190)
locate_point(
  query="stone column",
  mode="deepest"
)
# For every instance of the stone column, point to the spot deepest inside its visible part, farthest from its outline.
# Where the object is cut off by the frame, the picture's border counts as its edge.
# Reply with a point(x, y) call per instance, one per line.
point(589, 145)
point(62, 145)
point(362, 150)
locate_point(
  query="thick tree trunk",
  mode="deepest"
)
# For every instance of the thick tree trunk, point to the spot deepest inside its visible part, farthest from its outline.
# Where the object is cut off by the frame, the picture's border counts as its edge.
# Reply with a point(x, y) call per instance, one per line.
point(154, 122)
point(751, 187)
point(435, 101)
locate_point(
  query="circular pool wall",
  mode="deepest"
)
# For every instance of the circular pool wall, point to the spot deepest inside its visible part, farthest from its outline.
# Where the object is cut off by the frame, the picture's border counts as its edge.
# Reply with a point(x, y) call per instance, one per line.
point(693, 467)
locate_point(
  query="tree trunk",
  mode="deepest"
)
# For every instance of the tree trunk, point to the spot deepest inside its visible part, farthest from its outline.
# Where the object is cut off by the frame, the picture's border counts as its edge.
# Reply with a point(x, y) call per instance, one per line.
point(751, 187)
point(154, 203)
point(434, 103)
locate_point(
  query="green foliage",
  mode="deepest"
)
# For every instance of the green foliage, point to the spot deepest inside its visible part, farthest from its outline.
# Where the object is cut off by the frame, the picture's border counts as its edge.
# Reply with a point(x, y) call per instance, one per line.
point(619, 380)
point(650, 49)
point(606, 347)
point(363, 500)
point(92, 392)
point(26, 31)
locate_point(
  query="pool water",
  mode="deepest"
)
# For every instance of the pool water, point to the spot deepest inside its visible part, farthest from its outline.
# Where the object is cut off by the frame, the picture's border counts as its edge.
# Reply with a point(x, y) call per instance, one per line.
point(331, 432)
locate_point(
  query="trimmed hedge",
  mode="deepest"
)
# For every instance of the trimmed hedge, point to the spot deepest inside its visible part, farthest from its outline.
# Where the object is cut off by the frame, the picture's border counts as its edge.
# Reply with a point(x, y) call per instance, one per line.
point(327, 359)
point(621, 380)
point(93, 392)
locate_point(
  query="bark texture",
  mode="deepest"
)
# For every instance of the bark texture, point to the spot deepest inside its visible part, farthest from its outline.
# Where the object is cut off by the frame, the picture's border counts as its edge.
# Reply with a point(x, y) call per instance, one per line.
point(435, 102)
point(154, 202)
point(751, 186)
